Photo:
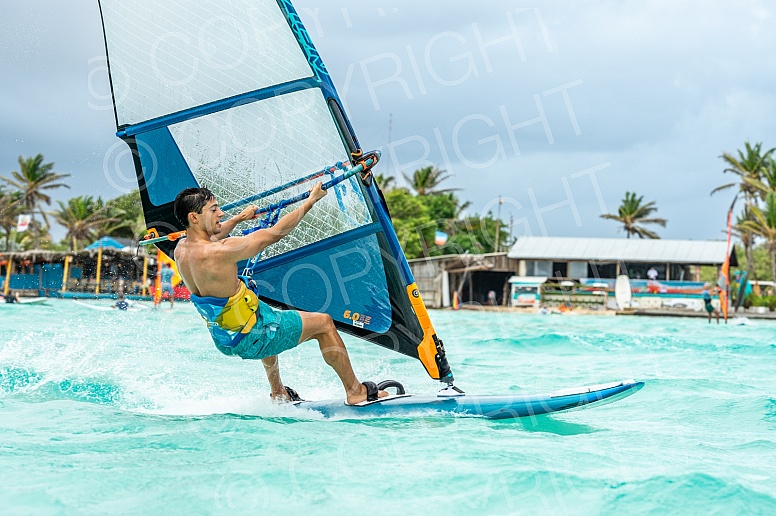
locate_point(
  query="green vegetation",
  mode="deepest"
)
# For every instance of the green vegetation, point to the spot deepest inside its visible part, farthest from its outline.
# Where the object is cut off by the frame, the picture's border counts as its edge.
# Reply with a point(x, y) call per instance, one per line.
point(632, 214)
point(83, 217)
point(756, 173)
point(426, 181)
point(418, 212)
point(762, 268)
point(127, 211)
point(762, 222)
point(412, 221)
point(417, 218)
point(10, 209)
point(33, 179)
point(28, 190)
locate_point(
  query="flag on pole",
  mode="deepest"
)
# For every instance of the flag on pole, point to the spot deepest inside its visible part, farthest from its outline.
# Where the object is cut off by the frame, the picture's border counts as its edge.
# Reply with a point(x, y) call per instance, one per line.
point(23, 222)
point(440, 238)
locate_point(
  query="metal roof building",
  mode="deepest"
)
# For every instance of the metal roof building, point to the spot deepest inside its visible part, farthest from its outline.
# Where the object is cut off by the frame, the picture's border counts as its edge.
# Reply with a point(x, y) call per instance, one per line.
point(692, 252)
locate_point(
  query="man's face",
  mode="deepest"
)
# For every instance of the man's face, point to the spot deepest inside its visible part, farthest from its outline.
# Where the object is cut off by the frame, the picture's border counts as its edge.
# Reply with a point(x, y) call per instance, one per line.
point(210, 218)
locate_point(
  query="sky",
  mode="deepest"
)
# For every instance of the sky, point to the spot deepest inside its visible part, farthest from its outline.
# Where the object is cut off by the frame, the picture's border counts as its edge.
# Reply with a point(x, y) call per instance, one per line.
point(544, 114)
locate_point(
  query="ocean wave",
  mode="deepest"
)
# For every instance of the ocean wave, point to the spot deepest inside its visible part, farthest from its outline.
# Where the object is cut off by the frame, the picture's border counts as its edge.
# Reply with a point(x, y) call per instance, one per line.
point(694, 493)
point(33, 385)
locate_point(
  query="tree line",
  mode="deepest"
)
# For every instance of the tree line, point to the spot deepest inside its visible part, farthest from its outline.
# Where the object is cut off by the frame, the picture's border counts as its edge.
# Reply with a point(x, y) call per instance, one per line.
point(422, 212)
point(28, 192)
point(418, 212)
point(755, 220)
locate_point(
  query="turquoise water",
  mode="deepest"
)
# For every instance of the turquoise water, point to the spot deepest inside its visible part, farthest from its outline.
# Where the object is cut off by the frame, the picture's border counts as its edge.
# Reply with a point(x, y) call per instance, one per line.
point(105, 412)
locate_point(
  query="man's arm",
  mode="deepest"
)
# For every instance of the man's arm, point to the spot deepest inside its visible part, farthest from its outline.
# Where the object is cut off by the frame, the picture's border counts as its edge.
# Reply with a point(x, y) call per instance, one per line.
point(228, 225)
point(245, 248)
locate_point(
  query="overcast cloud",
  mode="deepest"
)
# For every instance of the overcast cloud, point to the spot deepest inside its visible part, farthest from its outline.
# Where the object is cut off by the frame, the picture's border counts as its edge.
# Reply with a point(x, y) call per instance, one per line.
point(641, 96)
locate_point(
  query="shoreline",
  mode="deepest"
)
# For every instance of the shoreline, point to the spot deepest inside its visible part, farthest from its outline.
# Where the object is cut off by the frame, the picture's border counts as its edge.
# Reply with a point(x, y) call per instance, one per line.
point(632, 312)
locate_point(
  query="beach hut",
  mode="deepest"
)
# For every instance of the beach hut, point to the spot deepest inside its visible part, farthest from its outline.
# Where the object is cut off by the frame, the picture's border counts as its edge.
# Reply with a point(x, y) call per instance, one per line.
point(593, 262)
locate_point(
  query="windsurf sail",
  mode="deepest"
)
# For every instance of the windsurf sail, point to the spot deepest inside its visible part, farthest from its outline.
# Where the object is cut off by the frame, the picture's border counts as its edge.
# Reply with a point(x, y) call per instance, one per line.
point(723, 282)
point(233, 96)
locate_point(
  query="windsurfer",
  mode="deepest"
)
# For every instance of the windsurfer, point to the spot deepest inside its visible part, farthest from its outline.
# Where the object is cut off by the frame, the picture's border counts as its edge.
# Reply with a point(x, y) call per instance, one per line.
point(706, 295)
point(239, 323)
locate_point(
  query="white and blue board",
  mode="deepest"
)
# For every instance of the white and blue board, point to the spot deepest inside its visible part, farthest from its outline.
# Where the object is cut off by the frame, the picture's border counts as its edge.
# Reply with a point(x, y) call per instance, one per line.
point(508, 406)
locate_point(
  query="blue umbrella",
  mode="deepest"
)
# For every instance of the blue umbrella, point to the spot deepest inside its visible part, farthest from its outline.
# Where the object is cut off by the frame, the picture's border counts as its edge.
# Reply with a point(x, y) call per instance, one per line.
point(106, 241)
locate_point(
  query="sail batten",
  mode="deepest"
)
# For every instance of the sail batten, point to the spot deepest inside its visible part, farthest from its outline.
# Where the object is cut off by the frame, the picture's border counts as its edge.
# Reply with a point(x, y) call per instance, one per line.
point(215, 106)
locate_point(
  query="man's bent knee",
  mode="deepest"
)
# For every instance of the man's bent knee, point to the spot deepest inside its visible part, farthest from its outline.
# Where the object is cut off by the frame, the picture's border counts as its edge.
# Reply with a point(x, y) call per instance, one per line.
point(328, 324)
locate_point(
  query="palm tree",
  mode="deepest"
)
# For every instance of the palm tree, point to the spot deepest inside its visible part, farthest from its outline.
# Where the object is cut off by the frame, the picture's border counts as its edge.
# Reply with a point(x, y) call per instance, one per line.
point(763, 223)
point(82, 216)
point(10, 209)
point(632, 213)
point(34, 178)
point(766, 183)
point(386, 183)
point(426, 180)
point(748, 164)
point(749, 167)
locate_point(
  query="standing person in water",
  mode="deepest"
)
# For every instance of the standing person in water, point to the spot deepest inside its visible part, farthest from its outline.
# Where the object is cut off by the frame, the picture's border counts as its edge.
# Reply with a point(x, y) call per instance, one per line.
point(239, 323)
point(706, 295)
point(166, 279)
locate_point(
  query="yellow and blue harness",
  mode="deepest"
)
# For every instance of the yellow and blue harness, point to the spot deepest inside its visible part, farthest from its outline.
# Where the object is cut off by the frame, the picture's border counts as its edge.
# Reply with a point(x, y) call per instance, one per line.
point(230, 319)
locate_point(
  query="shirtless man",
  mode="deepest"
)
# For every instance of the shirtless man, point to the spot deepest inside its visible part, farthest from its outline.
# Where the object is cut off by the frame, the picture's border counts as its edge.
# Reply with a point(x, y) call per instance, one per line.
point(239, 323)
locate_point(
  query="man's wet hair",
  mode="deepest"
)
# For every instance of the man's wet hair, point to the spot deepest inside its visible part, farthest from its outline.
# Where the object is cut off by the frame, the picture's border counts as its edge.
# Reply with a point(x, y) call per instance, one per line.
point(191, 200)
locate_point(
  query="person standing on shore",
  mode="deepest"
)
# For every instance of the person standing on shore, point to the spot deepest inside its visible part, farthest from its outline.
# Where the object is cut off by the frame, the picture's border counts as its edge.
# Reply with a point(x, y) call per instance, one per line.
point(166, 281)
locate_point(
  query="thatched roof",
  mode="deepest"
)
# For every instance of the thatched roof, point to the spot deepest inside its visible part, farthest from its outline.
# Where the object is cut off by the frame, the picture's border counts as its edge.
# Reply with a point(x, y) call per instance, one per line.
point(49, 256)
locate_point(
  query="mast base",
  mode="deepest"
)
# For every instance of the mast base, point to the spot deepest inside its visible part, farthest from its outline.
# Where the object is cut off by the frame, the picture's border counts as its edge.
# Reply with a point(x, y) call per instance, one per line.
point(450, 391)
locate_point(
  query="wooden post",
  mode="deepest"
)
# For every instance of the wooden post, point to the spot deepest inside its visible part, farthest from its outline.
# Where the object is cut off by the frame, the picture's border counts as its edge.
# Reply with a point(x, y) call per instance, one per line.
point(668, 272)
point(8, 269)
point(99, 266)
point(66, 273)
point(144, 289)
point(158, 282)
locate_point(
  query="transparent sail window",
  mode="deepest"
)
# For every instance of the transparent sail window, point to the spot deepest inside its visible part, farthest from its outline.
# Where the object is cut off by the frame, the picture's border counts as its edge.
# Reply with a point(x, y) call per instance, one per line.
point(174, 55)
point(253, 147)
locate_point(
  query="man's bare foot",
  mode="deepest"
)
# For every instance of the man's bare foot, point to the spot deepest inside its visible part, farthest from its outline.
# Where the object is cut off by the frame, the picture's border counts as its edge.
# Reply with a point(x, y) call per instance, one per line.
point(360, 395)
point(280, 396)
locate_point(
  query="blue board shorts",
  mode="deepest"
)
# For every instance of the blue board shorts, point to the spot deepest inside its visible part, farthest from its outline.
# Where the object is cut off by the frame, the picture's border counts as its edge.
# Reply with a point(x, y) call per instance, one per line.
point(167, 287)
point(267, 339)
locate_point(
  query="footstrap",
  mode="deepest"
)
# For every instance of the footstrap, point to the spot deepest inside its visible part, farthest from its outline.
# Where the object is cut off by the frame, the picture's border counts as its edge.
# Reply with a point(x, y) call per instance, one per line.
point(371, 391)
point(293, 394)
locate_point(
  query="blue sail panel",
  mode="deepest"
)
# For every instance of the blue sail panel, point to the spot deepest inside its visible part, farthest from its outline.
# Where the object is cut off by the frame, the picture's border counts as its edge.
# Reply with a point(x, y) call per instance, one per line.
point(347, 281)
point(164, 170)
